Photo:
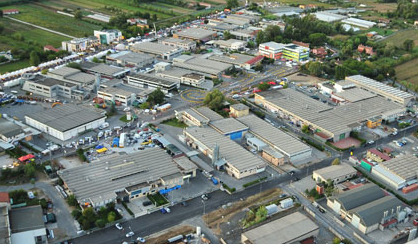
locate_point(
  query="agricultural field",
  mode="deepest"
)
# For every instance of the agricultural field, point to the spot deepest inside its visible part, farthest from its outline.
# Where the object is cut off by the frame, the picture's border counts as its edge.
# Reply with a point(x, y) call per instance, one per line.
point(380, 31)
point(399, 37)
point(297, 2)
point(408, 72)
point(47, 18)
point(380, 7)
point(4, 68)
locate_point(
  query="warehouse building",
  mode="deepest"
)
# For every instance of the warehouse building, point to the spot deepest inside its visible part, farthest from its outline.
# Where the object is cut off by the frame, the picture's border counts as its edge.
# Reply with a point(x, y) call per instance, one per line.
point(116, 94)
point(239, 110)
point(122, 177)
point(130, 59)
point(202, 66)
point(162, 51)
point(241, 61)
point(27, 225)
point(195, 34)
point(244, 34)
point(334, 123)
point(381, 89)
point(293, 228)
point(71, 75)
point(10, 132)
point(224, 153)
point(229, 127)
point(179, 43)
point(359, 22)
point(398, 172)
point(152, 82)
point(291, 147)
point(65, 121)
point(219, 25)
point(328, 16)
point(230, 44)
point(198, 116)
point(183, 76)
point(335, 173)
point(351, 95)
point(367, 208)
point(108, 36)
point(104, 70)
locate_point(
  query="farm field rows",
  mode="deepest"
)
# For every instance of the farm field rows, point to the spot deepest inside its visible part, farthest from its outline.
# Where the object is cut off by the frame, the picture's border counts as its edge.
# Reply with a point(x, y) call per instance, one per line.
point(399, 37)
point(408, 71)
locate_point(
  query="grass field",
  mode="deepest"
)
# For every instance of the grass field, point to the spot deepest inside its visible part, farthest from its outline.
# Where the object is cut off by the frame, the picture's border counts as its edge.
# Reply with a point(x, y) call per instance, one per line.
point(401, 36)
point(380, 31)
point(408, 72)
point(14, 66)
point(298, 2)
point(44, 17)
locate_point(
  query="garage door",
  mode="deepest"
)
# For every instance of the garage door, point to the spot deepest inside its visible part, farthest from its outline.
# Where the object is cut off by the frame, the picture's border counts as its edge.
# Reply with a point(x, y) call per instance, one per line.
point(236, 135)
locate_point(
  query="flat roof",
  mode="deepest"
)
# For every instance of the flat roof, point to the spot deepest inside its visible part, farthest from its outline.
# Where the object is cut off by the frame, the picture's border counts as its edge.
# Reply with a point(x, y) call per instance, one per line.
point(282, 141)
point(48, 81)
point(195, 33)
point(81, 77)
point(184, 163)
point(405, 166)
point(174, 72)
point(115, 90)
point(239, 107)
point(154, 79)
point(130, 57)
point(231, 151)
point(273, 45)
point(104, 177)
point(64, 71)
point(228, 126)
point(66, 117)
point(26, 218)
point(370, 83)
point(335, 171)
point(208, 113)
point(154, 48)
point(8, 128)
point(178, 41)
point(201, 64)
point(4, 225)
point(328, 16)
point(281, 231)
point(101, 68)
point(235, 58)
point(354, 94)
point(359, 22)
point(197, 115)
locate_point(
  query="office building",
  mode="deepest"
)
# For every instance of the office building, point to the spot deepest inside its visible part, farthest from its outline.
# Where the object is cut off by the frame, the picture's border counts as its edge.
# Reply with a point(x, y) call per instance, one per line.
point(152, 82)
point(179, 43)
point(80, 44)
point(108, 36)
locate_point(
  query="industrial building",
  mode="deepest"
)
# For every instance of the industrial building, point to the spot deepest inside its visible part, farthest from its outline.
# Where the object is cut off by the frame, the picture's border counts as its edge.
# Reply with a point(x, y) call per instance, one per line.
point(224, 152)
point(397, 172)
point(10, 132)
point(351, 95)
point(183, 76)
point(104, 70)
point(244, 34)
point(80, 44)
point(27, 225)
point(381, 89)
point(291, 147)
point(219, 25)
point(200, 65)
point(335, 173)
point(179, 43)
point(238, 110)
point(130, 59)
point(335, 123)
point(117, 94)
point(287, 51)
point(293, 228)
point(65, 121)
point(152, 82)
point(108, 36)
point(123, 177)
point(73, 76)
point(162, 51)
point(229, 127)
point(368, 208)
point(359, 22)
point(328, 16)
point(198, 116)
point(195, 34)
point(241, 61)
point(230, 44)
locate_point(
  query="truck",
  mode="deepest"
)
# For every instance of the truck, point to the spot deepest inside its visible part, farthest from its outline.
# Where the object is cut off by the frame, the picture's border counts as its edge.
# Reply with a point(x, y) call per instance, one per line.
point(122, 140)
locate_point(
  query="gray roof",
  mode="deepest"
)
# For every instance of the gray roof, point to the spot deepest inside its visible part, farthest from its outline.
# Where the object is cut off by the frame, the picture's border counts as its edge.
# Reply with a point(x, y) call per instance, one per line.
point(192, 112)
point(66, 117)
point(285, 230)
point(48, 81)
point(359, 196)
point(154, 48)
point(104, 177)
point(64, 71)
point(239, 107)
point(208, 113)
point(26, 218)
point(101, 68)
point(148, 78)
point(354, 94)
point(203, 65)
point(231, 151)
point(9, 129)
point(4, 225)
point(174, 72)
point(280, 140)
point(405, 166)
point(81, 77)
point(373, 212)
point(130, 57)
point(235, 58)
point(177, 40)
point(184, 163)
point(228, 126)
point(335, 171)
point(196, 33)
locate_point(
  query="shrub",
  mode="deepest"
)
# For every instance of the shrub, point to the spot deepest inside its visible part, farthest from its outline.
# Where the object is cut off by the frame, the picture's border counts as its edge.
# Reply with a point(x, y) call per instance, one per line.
point(254, 182)
point(231, 190)
point(100, 223)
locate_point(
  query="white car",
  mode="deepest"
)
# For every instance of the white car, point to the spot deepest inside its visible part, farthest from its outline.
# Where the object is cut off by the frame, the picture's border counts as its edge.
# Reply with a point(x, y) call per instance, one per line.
point(31, 195)
point(130, 234)
point(140, 239)
point(118, 226)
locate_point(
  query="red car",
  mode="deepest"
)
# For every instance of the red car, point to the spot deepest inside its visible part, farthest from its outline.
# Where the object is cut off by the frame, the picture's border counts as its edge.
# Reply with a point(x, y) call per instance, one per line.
point(415, 222)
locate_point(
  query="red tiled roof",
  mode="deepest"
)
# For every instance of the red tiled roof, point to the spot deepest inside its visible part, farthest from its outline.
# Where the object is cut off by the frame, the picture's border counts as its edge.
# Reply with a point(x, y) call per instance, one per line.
point(380, 154)
point(254, 60)
point(26, 157)
point(10, 10)
point(355, 186)
point(49, 47)
point(4, 197)
point(309, 240)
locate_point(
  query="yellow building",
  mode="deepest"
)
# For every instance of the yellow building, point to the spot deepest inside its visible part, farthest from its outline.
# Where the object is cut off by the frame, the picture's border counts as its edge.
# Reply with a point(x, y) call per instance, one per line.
point(239, 110)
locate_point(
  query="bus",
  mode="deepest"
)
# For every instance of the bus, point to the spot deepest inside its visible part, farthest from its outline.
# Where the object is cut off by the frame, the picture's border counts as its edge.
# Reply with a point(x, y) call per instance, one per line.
point(122, 140)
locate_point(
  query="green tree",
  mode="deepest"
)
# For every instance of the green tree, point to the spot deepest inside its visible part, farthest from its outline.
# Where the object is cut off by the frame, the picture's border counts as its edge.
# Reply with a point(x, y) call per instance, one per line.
point(315, 68)
point(1, 28)
point(336, 161)
point(156, 97)
point(78, 15)
point(100, 223)
point(96, 60)
point(44, 71)
point(263, 86)
point(74, 65)
point(317, 39)
point(34, 59)
point(89, 214)
point(214, 99)
point(408, 45)
point(111, 217)
point(336, 240)
point(261, 214)
point(258, 67)
point(30, 170)
point(227, 35)
point(305, 129)
point(86, 225)
point(71, 200)
point(231, 4)
point(1, 13)
point(112, 108)
point(76, 213)
point(144, 105)
point(259, 38)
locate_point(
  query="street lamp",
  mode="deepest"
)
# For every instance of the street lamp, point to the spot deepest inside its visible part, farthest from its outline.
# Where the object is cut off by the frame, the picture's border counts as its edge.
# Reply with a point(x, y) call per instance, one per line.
point(203, 206)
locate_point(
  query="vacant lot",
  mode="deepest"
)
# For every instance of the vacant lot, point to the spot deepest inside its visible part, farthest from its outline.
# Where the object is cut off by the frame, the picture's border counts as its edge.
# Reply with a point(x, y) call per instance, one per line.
point(399, 37)
point(408, 71)
point(44, 17)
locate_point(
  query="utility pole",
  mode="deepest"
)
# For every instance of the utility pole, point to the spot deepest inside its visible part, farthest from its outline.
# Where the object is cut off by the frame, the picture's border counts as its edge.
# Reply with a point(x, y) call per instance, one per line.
point(203, 201)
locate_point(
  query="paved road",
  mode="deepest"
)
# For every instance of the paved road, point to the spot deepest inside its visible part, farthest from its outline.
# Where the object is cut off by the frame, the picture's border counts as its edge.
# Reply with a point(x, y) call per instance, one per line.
point(40, 27)
point(64, 219)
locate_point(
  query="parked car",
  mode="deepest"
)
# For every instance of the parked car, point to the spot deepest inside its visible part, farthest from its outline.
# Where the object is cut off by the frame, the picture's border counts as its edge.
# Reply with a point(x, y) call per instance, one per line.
point(205, 197)
point(415, 222)
point(140, 239)
point(131, 233)
point(31, 195)
point(118, 226)
point(321, 210)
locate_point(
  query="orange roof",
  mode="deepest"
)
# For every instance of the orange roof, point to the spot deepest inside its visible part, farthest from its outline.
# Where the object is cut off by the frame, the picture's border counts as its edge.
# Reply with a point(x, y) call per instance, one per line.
point(4, 197)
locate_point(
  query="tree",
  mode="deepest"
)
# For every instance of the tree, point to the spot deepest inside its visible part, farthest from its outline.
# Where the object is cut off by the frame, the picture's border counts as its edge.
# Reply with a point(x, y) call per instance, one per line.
point(305, 129)
point(261, 214)
point(112, 108)
point(78, 15)
point(85, 224)
point(315, 68)
point(230, 4)
point(30, 170)
point(408, 45)
point(1, 13)
point(96, 60)
point(336, 161)
point(111, 217)
point(258, 67)
point(71, 200)
point(74, 65)
point(100, 223)
point(34, 59)
point(89, 214)
point(156, 97)
point(263, 86)
point(214, 99)
point(227, 35)
point(1, 28)
point(154, 17)
point(44, 71)
point(144, 105)
point(317, 39)
point(76, 213)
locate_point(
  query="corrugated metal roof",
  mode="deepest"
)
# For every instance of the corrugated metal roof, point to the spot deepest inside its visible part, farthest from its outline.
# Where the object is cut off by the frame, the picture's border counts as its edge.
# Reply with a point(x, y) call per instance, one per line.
point(335, 171)
point(405, 166)
point(359, 196)
point(228, 125)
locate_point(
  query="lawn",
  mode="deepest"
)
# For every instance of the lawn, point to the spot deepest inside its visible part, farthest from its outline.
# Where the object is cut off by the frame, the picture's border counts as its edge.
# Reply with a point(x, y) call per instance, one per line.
point(44, 17)
point(14, 66)
point(380, 31)
point(408, 71)
point(399, 37)
point(299, 2)
point(157, 199)
point(123, 119)
point(174, 122)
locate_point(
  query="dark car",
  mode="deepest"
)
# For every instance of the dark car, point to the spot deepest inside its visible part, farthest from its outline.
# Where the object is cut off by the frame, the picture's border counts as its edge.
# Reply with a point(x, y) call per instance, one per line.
point(321, 210)
point(184, 204)
point(146, 203)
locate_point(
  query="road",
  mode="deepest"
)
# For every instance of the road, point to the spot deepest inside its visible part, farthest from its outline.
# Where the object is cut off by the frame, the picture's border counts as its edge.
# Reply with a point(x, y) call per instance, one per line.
point(40, 27)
